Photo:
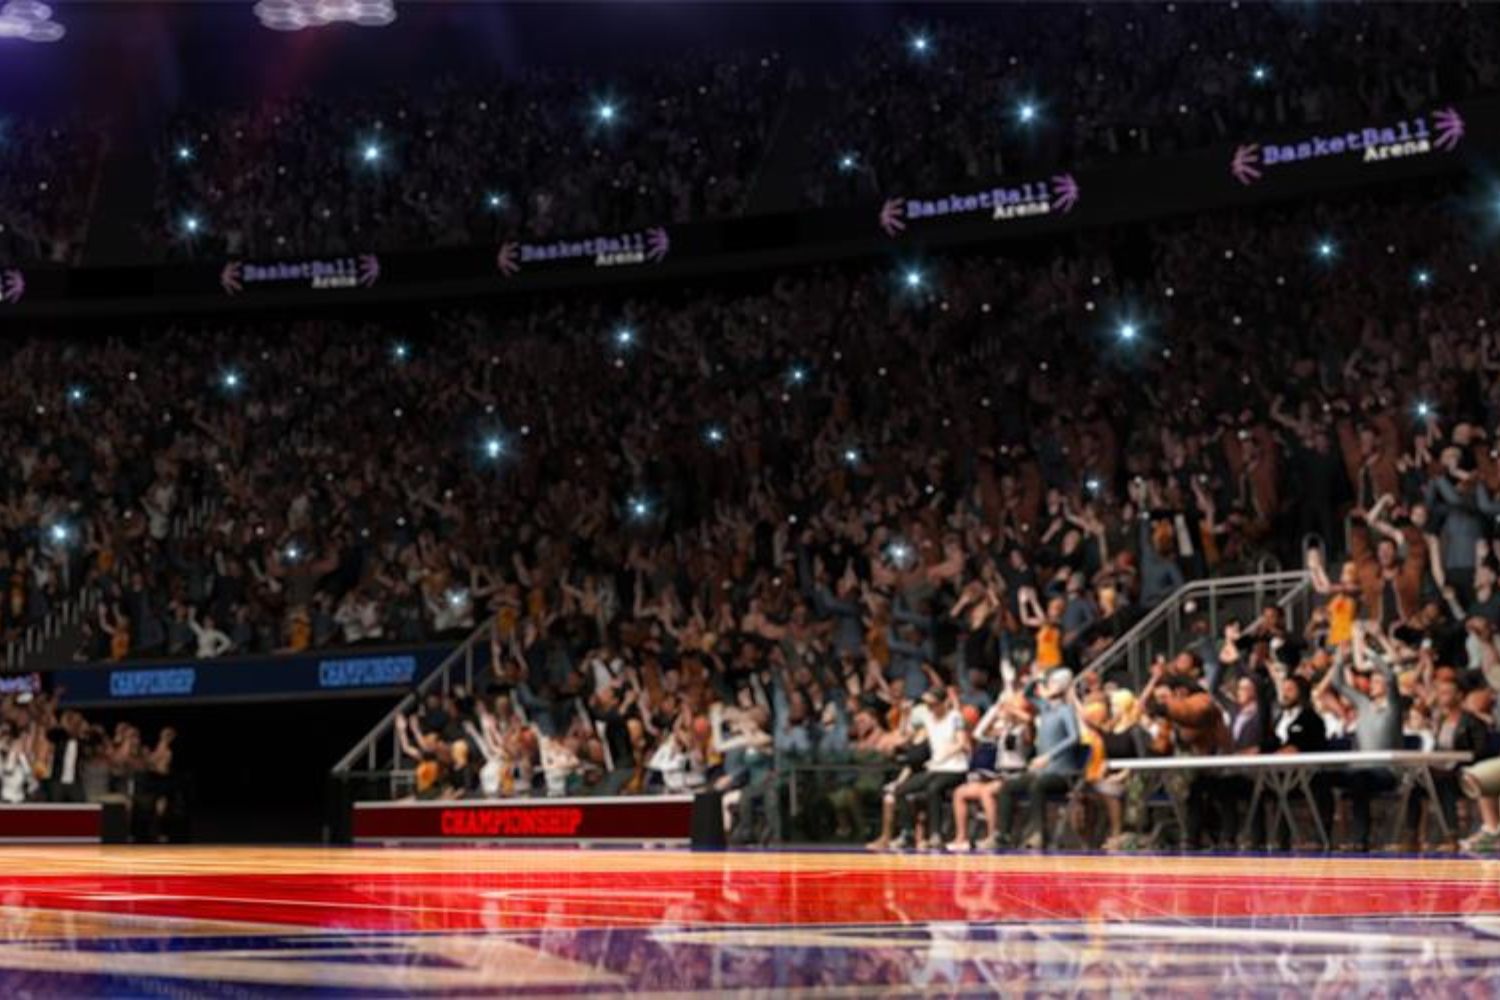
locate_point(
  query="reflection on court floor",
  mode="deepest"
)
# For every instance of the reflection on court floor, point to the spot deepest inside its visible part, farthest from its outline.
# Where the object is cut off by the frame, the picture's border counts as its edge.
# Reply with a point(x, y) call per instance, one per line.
point(365, 923)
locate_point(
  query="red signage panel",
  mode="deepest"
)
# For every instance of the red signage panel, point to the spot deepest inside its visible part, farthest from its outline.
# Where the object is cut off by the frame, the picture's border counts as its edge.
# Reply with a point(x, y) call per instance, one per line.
point(47, 822)
point(660, 818)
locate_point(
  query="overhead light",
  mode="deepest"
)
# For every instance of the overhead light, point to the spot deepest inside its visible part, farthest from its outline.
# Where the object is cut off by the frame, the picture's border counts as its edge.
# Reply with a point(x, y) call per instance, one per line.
point(295, 15)
point(29, 21)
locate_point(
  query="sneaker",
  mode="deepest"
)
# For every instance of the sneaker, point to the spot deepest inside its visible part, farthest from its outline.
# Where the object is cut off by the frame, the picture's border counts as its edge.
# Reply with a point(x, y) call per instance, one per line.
point(959, 847)
point(1034, 843)
point(934, 843)
point(878, 844)
point(990, 843)
point(901, 843)
point(1481, 842)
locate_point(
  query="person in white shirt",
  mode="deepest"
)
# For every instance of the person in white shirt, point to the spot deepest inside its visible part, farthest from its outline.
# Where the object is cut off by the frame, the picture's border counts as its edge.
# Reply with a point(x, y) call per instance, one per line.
point(937, 722)
point(158, 502)
point(358, 617)
point(670, 761)
point(559, 763)
point(211, 641)
point(1004, 735)
point(17, 781)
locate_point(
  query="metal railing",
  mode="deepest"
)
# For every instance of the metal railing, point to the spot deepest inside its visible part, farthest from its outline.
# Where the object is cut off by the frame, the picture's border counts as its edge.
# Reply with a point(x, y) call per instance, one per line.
point(368, 754)
point(1166, 628)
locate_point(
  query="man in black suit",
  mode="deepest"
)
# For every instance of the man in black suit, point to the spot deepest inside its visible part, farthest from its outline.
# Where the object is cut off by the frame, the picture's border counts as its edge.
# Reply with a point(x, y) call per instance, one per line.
point(1248, 703)
point(1299, 729)
point(65, 778)
point(1249, 711)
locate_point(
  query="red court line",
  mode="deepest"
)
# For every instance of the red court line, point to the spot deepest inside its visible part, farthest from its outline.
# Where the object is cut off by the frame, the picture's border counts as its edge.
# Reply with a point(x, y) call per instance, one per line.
point(523, 900)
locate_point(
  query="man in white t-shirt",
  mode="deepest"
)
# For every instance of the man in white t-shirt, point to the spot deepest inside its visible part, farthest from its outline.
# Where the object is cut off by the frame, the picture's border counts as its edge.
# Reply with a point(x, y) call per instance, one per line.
point(941, 726)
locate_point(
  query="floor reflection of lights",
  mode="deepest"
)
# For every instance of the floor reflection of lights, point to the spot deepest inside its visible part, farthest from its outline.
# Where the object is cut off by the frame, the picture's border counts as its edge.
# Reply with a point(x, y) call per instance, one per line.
point(367, 923)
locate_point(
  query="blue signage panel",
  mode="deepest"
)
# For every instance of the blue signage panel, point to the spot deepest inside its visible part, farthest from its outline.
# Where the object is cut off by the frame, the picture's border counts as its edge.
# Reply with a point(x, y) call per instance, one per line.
point(346, 672)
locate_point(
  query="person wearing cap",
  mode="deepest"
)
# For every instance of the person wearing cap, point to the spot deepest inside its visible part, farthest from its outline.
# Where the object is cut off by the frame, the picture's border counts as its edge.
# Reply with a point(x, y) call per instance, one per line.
point(1058, 759)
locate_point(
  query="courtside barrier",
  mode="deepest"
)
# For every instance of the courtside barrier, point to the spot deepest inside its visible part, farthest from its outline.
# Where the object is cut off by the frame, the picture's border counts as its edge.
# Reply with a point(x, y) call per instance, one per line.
point(63, 823)
point(645, 819)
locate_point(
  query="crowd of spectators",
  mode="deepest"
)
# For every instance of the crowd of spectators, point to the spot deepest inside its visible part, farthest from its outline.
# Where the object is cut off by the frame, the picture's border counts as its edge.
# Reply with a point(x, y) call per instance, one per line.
point(720, 526)
point(53, 754)
point(466, 161)
point(1024, 89)
point(1014, 90)
point(48, 174)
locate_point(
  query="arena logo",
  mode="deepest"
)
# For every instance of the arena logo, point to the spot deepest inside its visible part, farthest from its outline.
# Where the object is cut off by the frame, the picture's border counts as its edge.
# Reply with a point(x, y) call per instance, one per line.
point(640, 247)
point(1002, 204)
point(1441, 130)
point(12, 285)
point(502, 821)
point(359, 271)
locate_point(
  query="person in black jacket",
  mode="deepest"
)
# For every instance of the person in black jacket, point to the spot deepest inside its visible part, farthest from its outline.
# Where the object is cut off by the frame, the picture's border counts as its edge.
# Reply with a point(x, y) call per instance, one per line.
point(1299, 729)
point(1249, 721)
point(1247, 701)
point(1455, 729)
point(65, 777)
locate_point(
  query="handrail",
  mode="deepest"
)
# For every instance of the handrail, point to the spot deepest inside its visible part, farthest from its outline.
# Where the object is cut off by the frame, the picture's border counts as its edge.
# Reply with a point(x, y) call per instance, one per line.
point(463, 653)
point(1286, 584)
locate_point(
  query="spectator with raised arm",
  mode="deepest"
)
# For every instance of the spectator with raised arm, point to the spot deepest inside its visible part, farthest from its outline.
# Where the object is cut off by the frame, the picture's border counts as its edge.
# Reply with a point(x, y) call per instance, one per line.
point(1379, 714)
point(1058, 759)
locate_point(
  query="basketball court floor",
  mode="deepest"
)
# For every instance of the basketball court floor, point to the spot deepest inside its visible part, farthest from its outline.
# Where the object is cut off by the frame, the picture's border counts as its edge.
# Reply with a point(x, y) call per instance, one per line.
point(243, 922)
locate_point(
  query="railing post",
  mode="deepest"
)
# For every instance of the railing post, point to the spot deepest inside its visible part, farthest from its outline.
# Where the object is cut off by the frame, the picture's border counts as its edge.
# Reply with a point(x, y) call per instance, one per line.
point(1213, 609)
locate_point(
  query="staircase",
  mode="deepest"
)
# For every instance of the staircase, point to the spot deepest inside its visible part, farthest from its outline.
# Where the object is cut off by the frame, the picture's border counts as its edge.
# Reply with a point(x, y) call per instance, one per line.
point(1180, 620)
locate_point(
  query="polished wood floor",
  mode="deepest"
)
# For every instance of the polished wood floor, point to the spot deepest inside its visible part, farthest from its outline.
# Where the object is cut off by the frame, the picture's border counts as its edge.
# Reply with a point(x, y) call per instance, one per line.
point(203, 860)
point(400, 922)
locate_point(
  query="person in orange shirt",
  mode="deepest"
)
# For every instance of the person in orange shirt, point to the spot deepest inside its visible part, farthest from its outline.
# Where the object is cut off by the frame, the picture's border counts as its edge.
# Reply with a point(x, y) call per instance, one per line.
point(118, 631)
point(298, 630)
point(1048, 627)
point(1343, 602)
point(1342, 610)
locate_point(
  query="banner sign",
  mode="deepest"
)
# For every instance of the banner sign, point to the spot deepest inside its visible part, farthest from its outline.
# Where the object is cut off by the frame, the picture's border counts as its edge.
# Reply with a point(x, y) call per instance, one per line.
point(342, 672)
point(665, 819)
point(1442, 130)
point(1119, 192)
point(321, 274)
point(1000, 204)
point(646, 246)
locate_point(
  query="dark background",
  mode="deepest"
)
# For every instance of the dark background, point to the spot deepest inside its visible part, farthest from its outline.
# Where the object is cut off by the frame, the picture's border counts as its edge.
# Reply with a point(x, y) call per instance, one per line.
point(256, 772)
